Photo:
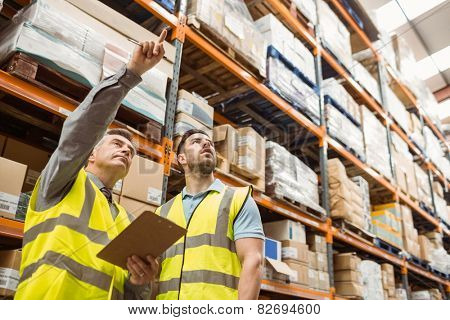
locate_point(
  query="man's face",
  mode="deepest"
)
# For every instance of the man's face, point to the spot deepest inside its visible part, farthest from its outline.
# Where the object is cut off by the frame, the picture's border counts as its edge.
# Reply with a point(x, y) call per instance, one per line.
point(198, 154)
point(115, 153)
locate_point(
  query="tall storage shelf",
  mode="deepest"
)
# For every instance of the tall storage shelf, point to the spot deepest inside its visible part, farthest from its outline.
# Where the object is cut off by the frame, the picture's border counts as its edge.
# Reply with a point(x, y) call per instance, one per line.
point(12, 231)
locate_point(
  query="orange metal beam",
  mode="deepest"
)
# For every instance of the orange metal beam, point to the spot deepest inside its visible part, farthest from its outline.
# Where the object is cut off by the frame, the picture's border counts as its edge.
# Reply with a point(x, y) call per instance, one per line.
point(425, 274)
point(294, 290)
point(292, 21)
point(349, 19)
point(442, 94)
point(249, 80)
point(158, 11)
point(60, 107)
point(11, 228)
point(220, 119)
point(405, 199)
point(438, 173)
point(405, 138)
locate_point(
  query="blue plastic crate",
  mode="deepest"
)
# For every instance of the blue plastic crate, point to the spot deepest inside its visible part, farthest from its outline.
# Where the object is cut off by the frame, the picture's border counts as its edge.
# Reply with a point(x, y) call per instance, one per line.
point(169, 5)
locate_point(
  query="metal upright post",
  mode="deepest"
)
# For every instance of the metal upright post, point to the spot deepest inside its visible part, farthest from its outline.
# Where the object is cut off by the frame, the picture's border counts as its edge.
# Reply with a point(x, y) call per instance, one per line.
point(169, 122)
point(405, 281)
point(323, 150)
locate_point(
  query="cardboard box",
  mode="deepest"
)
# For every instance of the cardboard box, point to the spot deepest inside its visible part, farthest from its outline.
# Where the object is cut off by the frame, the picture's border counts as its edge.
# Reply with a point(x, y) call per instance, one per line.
point(144, 181)
point(346, 261)
point(12, 178)
point(388, 271)
point(295, 250)
point(36, 159)
point(225, 143)
point(316, 242)
point(272, 249)
point(425, 248)
point(196, 107)
point(437, 187)
point(322, 262)
point(285, 230)
point(277, 270)
point(312, 263)
point(9, 272)
point(251, 150)
point(324, 281)
point(347, 276)
point(134, 207)
point(184, 122)
point(313, 278)
point(347, 288)
point(300, 275)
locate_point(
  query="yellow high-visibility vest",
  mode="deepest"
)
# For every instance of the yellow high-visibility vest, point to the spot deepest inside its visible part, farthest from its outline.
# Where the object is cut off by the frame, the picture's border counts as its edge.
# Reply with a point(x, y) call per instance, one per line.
point(60, 247)
point(204, 263)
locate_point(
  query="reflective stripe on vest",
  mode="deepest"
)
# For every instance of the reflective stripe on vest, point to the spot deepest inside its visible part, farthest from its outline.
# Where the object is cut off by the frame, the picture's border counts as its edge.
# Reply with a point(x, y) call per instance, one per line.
point(212, 251)
point(61, 244)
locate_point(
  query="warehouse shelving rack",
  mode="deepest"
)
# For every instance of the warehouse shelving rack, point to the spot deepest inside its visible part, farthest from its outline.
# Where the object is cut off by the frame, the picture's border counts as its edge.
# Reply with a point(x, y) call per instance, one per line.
point(163, 152)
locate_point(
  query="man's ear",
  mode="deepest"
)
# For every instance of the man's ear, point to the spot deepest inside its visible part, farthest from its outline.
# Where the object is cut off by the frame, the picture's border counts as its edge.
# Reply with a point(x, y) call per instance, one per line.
point(181, 158)
point(91, 158)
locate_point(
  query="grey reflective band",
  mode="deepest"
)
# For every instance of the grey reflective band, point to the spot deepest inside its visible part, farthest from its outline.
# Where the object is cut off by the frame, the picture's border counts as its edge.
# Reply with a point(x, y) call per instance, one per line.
point(81, 272)
point(165, 208)
point(116, 294)
point(200, 276)
point(78, 224)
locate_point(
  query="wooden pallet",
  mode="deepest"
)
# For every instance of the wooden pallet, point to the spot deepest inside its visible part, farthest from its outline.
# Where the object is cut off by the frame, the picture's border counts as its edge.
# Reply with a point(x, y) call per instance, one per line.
point(295, 204)
point(385, 245)
point(419, 262)
point(26, 68)
point(355, 231)
point(260, 8)
point(258, 184)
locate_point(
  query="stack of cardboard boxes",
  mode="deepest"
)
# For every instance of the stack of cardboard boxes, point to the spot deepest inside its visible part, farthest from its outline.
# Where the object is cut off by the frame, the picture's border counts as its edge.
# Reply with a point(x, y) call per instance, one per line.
point(372, 280)
point(307, 8)
point(423, 186)
point(288, 177)
point(425, 248)
point(387, 223)
point(397, 109)
point(410, 235)
point(11, 183)
point(366, 80)
point(335, 90)
point(375, 143)
point(319, 268)
point(284, 41)
point(9, 272)
point(347, 275)
point(346, 198)
point(364, 188)
point(441, 204)
point(430, 294)
point(241, 152)
point(141, 189)
point(435, 152)
point(440, 259)
point(388, 278)
point(193, 112)
point(232, 23)
point(415, 129)
point(404, 166)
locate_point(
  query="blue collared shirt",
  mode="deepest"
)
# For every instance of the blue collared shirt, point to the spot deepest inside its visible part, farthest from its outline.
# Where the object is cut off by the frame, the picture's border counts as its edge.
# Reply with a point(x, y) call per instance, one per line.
point(247, 225)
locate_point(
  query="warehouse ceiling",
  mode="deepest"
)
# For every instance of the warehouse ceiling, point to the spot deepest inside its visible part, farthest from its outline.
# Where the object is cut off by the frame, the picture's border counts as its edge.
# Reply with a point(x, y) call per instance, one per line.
point(425, 27)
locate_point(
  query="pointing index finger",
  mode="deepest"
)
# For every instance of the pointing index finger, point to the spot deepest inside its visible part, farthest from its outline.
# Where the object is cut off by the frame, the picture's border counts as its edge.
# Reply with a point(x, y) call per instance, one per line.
point(162, 36)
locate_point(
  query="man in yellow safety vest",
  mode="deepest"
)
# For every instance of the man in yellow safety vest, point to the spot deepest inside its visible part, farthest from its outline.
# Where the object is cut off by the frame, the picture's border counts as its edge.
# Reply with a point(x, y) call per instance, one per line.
point(221, 255)
point(72, 215)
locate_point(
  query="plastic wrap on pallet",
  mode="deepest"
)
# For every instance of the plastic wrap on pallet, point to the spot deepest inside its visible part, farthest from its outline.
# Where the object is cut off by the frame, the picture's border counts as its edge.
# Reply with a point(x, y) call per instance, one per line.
point(308, 9)
point(400, 145)
point(287, 176)
point(147, 98)
point(441, 207)
point(440, 260)
point(375, 142)
point(287, 82)
point(366, 80)
point(397, 109)
point(340, 127)
point(371, 278)
point(337, 92)
point(283, 40)
point(434, 151)
point(231, 21)
point(423, 185)
point(336, 36)
point(364, 188)
point(52, 37)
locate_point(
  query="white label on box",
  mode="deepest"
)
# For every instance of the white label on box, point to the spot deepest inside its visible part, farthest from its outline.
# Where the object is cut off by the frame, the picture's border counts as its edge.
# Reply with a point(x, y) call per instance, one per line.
point(32, 177)
point(249, 141)
point(9, 279)
point(185, 106)
point(235, 26)
point(118, 186)
point(8, 202)
point(154, 195)
point(289, 253)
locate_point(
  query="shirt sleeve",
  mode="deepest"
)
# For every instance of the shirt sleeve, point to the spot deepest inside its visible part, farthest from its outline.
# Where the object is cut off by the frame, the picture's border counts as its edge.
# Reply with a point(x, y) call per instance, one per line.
point(248, 222)
point(135, 292)
point(81, 131)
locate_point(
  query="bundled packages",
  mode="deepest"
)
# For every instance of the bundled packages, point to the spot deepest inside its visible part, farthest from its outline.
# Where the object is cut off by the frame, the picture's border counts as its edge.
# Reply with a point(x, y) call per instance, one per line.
point(371, 280)
point(387, 223)
point(347, 275)
point(364, 189)
point(288, 177)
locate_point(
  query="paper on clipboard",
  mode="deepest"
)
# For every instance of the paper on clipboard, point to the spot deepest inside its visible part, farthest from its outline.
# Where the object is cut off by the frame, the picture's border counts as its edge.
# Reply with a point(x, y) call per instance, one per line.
point(149, 234)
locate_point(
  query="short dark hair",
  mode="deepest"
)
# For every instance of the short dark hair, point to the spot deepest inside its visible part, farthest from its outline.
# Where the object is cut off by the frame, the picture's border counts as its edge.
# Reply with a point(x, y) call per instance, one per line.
point(186, 135)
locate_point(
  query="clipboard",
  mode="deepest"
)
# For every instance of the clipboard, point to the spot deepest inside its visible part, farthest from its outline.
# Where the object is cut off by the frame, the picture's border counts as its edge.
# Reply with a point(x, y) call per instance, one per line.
point(149, 234)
